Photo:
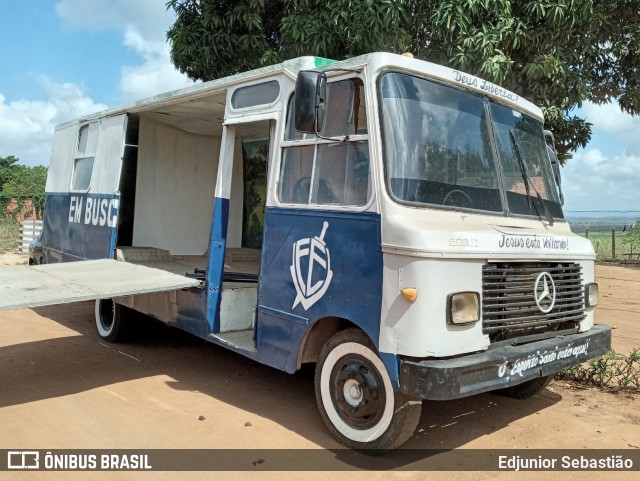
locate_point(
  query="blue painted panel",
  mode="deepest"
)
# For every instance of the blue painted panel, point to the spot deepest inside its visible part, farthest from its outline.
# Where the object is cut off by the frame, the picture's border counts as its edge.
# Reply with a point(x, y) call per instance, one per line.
point(278, 337)
point(215, 270)
point(391, 362)
point(79, 226)
point(192, 311)
point(316, 264)
point(185, 309)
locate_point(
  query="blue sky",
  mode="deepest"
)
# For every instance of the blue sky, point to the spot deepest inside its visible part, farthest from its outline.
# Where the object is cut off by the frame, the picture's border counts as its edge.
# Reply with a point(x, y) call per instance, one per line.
point(60, 59)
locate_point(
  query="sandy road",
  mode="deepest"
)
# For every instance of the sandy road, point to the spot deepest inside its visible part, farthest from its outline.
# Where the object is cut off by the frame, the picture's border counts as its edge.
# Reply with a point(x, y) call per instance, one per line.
point(62, 387)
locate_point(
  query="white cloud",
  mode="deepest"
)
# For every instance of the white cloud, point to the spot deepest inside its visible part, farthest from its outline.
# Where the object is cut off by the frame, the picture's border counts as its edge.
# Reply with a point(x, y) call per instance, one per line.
point(609, 119)
point(594, 181)
point(26, 126)
point(150, 17)
point(143, 24)
point(155, 75)
point(605, 175)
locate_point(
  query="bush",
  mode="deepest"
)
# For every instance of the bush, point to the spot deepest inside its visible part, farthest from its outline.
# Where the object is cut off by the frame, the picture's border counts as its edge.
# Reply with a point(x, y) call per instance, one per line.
point(613, 371)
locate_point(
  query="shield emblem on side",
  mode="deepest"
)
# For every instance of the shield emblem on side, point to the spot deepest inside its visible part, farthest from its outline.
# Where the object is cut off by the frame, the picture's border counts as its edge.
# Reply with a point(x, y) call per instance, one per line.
point(311, 269)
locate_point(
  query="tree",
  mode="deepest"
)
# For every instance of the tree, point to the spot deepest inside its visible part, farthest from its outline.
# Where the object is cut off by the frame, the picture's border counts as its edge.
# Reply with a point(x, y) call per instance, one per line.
point(7, 165)
point(555, 53)
point(26, 183)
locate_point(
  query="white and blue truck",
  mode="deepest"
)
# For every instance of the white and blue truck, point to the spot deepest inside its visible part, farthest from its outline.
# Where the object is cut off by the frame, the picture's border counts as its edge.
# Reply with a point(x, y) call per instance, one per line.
point(396, 222)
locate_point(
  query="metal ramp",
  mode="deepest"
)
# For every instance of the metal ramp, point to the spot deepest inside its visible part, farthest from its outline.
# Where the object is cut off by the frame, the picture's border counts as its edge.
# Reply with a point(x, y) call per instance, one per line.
point(45, 285)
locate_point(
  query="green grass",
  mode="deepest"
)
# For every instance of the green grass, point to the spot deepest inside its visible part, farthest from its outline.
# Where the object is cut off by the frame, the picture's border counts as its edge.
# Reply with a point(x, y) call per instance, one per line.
point(625, 244)
point(9, 235)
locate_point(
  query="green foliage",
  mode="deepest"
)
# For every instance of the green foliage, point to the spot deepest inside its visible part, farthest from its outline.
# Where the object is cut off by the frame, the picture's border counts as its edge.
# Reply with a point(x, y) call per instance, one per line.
point(556, 54)
point(26, 181)
point(212, 39)
point(22, 183)
point(7, 164)
point(612, 371)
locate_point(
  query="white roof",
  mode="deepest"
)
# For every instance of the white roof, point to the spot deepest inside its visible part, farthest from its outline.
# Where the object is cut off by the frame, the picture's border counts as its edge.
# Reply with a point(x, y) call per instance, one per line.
point(377, 62)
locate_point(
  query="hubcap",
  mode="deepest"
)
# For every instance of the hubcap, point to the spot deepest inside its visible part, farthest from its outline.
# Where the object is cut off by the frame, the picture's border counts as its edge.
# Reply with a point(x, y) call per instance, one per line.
point(352, 392)
point(357, 392)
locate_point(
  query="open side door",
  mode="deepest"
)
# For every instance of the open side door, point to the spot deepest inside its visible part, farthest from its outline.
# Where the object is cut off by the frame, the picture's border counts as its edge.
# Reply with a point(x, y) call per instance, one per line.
point(82, 197)
point(49, 284)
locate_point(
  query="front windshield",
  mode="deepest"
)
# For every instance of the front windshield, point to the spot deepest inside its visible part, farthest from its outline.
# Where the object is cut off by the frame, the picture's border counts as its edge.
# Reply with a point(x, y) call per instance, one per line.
point(528, 135)
point(437, 145)
point(438, 150)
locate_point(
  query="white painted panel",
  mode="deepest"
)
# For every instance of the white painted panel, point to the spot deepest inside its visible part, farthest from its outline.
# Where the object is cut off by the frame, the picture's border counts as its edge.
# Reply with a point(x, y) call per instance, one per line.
point(108, 159)
point(238, 306)
point(33, 286)
point(174, 188)
point(63, 150)
point(236, 198)
point(420, 328)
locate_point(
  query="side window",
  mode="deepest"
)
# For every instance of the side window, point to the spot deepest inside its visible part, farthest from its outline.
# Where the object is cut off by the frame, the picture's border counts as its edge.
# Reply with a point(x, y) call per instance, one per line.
point(295, 174)
point(259, 94)
point(85, 154)
point(329, 173)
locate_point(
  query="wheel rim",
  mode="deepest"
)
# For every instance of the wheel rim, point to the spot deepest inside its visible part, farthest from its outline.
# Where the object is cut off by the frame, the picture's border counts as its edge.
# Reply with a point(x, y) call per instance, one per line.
point(348, 424)
point(357, 392)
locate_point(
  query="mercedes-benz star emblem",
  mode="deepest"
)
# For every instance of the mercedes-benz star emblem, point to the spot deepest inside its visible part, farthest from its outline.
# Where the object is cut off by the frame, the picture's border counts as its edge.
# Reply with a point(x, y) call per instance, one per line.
point(544, 292)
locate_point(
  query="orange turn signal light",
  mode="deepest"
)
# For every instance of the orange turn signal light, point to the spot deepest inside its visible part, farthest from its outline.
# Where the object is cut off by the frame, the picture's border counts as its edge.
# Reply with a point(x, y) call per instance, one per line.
point(410, 293)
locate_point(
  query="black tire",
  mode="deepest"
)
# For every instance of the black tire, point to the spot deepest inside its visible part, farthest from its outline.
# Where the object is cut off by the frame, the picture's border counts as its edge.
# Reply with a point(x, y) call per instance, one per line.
point(527, 389)
point(109, 321)
point(355, 397)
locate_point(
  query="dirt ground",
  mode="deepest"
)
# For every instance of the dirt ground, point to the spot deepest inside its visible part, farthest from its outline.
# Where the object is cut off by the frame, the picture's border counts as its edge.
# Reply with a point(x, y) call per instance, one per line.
point(62, 387)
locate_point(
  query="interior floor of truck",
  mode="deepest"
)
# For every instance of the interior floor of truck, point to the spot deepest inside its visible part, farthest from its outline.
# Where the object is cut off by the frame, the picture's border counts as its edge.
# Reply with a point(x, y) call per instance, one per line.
point(239, 298)
point(237, 260)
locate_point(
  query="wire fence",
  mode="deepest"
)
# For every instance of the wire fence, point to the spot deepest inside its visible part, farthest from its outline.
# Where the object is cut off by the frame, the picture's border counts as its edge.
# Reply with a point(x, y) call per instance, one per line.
point(612, 242)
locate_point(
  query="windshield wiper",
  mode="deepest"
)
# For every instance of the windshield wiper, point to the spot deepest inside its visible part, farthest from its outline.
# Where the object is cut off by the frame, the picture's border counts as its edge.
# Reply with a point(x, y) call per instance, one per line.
point(528, 182)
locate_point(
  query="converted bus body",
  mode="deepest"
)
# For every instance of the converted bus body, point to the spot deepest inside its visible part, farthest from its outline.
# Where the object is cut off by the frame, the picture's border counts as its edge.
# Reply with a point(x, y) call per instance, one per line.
point(401, 249)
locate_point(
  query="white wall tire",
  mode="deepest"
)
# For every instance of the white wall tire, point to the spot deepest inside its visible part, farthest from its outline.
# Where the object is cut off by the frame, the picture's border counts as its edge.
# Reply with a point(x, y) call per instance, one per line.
point(109, 321)
point(356, 398)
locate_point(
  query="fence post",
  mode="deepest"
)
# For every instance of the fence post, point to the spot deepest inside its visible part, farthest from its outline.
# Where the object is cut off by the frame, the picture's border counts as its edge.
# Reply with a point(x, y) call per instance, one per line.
point(613, 242)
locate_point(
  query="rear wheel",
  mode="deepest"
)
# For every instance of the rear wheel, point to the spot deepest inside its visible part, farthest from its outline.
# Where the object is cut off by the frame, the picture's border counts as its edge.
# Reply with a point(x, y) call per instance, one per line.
point(527, 389)
point(356, 399)
point(109, 320)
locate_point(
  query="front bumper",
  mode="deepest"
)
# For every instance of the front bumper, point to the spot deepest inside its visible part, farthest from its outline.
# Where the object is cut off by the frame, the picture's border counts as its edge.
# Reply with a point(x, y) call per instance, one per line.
point(500, 367)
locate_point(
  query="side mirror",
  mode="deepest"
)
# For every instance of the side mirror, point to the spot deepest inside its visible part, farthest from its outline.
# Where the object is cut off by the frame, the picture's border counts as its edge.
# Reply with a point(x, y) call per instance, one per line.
point(555, 165)
point(553, 156)
point(310, 101)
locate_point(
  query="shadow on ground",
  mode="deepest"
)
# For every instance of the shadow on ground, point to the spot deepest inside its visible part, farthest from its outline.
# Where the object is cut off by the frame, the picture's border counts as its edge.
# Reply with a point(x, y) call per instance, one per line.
point(59, 367)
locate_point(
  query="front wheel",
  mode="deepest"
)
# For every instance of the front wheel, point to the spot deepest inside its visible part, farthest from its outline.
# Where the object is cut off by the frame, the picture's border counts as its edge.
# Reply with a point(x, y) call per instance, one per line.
point(356, 399)
point(109, 322)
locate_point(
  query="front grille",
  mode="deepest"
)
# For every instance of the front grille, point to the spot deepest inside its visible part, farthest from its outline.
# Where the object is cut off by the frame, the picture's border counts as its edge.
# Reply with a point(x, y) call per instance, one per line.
point(509, 306)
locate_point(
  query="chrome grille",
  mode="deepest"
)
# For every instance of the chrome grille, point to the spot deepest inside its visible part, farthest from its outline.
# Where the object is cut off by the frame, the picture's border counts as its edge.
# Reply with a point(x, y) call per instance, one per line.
point(509, 306)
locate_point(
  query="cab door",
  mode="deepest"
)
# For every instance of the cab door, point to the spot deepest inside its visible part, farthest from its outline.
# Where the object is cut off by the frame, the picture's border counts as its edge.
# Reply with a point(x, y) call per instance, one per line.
point(237, 228)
